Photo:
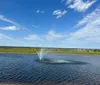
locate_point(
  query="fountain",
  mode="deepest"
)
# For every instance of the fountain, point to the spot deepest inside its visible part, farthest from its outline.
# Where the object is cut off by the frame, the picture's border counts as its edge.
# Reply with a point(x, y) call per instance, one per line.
point(43, 52)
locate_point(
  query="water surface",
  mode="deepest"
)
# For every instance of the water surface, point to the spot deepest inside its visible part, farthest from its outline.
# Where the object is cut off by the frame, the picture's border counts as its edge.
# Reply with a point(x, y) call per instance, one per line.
point(24, 69)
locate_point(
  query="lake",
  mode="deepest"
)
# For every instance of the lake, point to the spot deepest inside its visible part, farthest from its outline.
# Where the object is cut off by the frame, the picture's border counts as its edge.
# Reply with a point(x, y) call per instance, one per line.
point(23, 69)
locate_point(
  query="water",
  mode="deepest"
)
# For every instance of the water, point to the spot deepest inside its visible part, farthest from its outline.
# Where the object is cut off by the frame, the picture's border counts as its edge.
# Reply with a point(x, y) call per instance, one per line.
point(21, 69)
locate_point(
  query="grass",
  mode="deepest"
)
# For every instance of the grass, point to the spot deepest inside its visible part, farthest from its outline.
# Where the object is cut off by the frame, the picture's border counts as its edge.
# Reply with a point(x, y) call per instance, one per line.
point(80, 53)
point(18, 50)
point(30, 50)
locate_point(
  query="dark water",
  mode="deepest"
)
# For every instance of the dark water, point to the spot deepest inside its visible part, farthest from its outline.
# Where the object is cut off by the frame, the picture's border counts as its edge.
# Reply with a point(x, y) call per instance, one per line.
point(20, 68)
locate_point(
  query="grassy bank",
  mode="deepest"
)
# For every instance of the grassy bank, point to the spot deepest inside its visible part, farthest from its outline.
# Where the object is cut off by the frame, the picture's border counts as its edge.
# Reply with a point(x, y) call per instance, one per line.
point(34, 50)
point(81, 53)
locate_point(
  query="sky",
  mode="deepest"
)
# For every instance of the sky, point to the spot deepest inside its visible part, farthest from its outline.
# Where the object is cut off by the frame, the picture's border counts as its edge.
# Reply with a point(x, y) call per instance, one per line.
point(50, 23)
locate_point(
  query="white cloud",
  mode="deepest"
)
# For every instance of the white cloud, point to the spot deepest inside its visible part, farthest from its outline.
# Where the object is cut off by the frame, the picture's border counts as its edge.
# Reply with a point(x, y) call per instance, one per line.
point(69, 1)
point(3, 18)
point(32, 37)
point(39, 11)
point(89, 18)
point(80, 5)
point(59, 13)
point(64, 12)
point(90, 30)
point(9, 28)
point(16, 25)
point(52, 35)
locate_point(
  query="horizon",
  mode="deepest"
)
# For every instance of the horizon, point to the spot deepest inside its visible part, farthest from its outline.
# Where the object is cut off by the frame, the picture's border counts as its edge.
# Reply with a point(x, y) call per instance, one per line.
point(54, 23)
point(47, 47)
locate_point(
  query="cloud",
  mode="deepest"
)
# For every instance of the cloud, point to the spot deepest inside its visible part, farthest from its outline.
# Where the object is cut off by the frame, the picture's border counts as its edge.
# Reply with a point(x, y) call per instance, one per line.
point(39, 11)
point(52, 35)
point(90, 31)
point(89, 18)
point(32, 37)
point(3, 36)
point(69, 1)
point(80, 5)
point(59, 13)
point(3, 18)
point(13, 28)
point(15, 25)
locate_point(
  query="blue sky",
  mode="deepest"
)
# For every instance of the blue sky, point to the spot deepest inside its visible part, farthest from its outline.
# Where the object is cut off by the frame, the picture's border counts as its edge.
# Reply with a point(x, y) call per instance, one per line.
point(50, 23)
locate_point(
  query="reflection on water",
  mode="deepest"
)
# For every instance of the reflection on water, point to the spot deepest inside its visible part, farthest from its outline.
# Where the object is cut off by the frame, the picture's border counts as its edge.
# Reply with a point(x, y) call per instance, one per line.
point(24, 69)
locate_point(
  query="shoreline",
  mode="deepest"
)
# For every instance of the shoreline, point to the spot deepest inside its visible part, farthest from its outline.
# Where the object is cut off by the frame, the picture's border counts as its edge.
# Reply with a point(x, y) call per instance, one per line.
point(52, 53)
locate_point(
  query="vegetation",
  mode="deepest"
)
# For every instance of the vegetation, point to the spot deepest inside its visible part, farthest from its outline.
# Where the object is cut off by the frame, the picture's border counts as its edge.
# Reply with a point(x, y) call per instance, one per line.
point(34, 50)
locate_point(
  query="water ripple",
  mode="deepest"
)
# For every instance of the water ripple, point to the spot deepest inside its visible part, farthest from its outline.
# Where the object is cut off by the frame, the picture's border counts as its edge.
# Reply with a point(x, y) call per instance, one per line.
point(23, 69)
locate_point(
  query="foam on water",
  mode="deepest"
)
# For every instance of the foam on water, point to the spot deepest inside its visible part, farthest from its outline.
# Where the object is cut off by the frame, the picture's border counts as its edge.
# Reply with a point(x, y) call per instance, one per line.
point(59, 61)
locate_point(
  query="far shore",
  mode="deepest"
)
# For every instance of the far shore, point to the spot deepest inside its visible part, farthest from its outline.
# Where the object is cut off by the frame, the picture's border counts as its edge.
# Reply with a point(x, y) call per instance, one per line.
point(35, 50)
point(52, 53)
